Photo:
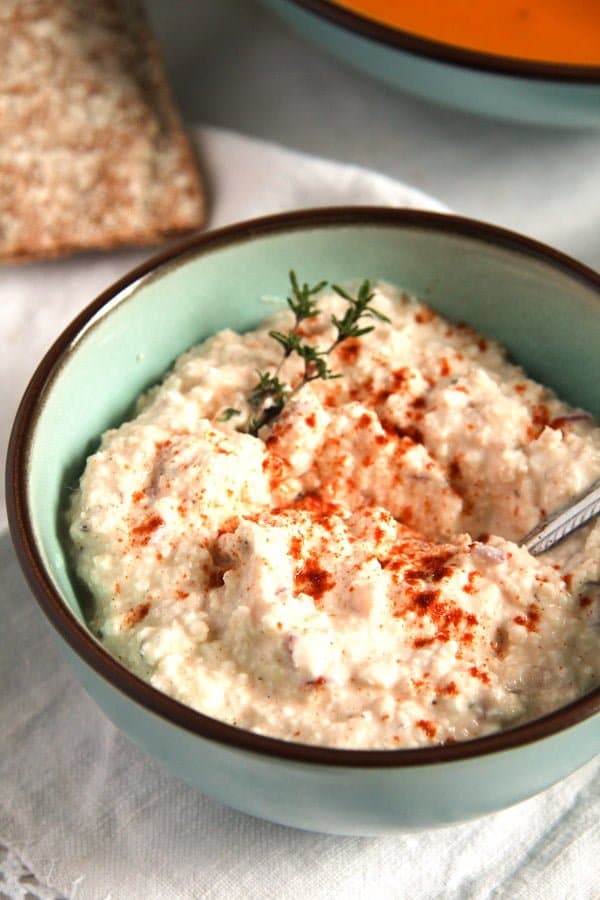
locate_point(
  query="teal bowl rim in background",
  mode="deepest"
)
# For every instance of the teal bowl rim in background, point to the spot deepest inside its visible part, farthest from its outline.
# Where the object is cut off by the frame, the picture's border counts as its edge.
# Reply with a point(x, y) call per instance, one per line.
point(80, 639)
point(449, 53)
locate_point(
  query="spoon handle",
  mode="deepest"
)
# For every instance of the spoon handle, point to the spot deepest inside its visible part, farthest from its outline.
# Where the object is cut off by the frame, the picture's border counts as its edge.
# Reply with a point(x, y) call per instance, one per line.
point(561, 524)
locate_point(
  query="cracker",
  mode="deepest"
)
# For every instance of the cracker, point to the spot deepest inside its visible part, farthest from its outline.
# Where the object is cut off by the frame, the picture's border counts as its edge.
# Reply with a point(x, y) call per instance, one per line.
point(92, 150)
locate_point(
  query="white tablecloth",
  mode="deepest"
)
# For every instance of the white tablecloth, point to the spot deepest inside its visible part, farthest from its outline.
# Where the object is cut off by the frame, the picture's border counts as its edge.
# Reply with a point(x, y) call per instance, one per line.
point(85, 814)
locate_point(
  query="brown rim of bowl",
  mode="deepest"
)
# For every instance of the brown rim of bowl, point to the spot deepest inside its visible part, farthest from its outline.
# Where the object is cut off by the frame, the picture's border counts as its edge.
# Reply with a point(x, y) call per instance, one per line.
point(449, 53)
point(79, 638)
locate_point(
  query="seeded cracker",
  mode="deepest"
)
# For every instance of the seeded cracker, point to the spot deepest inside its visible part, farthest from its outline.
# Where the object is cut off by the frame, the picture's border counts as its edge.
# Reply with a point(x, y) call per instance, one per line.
point(92, 150)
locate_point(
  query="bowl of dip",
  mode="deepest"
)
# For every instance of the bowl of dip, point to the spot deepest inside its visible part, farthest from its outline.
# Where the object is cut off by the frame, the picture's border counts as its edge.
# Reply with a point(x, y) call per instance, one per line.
point(366, 777)
point(536, 62)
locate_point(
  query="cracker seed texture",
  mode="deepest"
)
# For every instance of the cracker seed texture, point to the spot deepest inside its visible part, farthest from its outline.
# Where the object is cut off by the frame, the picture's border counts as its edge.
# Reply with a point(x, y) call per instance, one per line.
point(92, 150)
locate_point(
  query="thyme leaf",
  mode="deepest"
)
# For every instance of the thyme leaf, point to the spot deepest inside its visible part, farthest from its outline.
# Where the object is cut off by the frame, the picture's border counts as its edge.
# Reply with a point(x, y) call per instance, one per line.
point(228, 414)
point(302, 302)
point(268, 388)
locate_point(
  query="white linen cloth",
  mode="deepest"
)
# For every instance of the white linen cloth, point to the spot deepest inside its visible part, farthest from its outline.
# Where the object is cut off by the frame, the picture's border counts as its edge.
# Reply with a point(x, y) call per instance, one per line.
point(84, 813)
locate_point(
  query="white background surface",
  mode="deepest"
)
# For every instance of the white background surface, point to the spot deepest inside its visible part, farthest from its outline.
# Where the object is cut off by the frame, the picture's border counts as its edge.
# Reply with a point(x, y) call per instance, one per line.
point(92, 816)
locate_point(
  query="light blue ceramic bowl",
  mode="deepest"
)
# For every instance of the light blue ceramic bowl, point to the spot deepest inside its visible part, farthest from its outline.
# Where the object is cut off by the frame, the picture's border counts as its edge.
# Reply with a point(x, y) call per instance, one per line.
point(543, 305)
point(526, 91)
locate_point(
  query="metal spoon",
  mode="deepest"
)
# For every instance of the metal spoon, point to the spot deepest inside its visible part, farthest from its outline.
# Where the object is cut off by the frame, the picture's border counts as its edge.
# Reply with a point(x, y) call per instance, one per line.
point(564, 522)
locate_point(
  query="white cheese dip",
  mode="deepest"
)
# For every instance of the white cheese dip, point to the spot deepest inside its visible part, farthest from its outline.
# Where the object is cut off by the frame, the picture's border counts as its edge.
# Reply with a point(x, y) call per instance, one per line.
point(349, 577)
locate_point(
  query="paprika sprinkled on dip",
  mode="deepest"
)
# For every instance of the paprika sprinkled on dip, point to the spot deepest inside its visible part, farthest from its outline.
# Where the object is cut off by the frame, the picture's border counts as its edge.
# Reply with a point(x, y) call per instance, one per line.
point(347, 575)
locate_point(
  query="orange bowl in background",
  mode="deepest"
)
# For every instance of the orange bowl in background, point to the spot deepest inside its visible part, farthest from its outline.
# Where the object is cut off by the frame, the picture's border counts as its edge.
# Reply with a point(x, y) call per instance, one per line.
point(566, 32)
point(535, 61)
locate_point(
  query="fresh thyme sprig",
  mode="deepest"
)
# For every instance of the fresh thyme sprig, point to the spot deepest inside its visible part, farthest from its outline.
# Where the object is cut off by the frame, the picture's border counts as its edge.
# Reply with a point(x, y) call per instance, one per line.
point(269, 395)
point(302, 302)
point(358, 308)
